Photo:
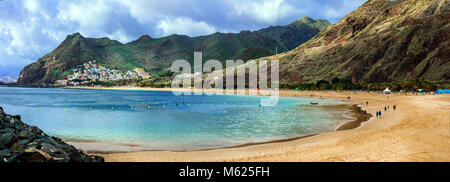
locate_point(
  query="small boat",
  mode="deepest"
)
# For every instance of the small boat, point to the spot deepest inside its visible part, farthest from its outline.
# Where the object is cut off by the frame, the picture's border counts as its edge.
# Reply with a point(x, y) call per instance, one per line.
point(314, 103)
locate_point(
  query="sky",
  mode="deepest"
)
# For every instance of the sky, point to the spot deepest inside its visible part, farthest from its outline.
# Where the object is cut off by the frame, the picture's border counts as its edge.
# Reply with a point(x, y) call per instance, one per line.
point(29, 29)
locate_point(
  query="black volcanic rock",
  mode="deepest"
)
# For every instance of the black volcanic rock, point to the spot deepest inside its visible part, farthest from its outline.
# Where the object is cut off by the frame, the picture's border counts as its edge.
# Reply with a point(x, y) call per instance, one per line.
point(20, 142)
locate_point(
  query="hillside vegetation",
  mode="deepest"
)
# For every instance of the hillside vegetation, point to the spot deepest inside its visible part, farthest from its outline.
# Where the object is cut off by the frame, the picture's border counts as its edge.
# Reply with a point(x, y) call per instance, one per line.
point(157, 54)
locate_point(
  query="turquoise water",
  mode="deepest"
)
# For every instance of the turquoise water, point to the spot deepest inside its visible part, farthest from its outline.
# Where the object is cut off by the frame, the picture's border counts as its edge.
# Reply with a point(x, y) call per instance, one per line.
point(158, 120)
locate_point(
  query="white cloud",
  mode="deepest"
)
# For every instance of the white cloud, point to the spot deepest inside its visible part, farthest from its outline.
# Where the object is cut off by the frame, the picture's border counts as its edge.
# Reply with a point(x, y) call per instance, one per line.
point(145, 11)
point(24, 37)
point(267, 11)
point(90, 16)
point(184, 26)
point(31, 5)
point(120, 35)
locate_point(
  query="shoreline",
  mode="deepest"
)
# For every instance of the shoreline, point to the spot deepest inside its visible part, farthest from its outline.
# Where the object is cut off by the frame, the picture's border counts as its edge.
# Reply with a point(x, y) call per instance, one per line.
point(418, 131)
point(112, 148)
point(360, 119)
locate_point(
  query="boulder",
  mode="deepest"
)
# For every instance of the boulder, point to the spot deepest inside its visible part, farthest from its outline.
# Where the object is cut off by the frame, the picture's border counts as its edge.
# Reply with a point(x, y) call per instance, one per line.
point(35, 130)
point(50, 140)
point(17, 117)
point(5, 153)
point(6, 130)
point(12, 120)
point(97, 159)
point(76, 157)
point(48, 148)
point(7, 138)
point(24, 134)
point(7, 118)
point(56, 139)
point(23, 142)
point(29, 157)
point(17, 148)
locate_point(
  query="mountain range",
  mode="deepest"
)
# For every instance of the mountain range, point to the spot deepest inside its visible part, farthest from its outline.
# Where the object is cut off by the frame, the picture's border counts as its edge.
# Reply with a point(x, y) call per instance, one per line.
point(381, 41)
point(157, 54)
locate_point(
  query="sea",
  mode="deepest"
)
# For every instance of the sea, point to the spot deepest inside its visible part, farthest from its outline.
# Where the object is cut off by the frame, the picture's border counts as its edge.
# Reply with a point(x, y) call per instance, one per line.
point(160, 120)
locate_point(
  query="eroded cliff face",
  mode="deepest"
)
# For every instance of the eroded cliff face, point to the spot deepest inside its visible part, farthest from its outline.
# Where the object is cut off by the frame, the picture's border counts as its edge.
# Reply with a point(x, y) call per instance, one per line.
point(381, 41)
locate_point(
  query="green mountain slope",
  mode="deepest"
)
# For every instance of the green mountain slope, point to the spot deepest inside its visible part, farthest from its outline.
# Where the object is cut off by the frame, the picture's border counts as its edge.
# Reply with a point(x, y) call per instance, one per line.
point(156, 54)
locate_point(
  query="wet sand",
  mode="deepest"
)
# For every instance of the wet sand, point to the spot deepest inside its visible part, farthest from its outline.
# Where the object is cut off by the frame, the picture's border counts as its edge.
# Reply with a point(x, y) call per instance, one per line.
point(360, 117)
point(419, 130)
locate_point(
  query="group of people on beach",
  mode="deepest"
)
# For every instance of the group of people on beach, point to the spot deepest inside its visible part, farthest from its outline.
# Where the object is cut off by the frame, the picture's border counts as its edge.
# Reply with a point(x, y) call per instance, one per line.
point(386, 109)
point(378, 113)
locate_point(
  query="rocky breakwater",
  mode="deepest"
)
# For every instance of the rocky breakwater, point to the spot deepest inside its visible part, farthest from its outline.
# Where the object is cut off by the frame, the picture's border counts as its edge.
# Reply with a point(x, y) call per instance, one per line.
point(20, 142)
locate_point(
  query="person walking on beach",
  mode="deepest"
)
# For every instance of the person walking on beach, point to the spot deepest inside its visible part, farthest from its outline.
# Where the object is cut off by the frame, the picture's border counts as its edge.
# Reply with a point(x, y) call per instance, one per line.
point(393, 107)
point(385, 108)
point(367, 102)
point(380, 113)
point(377, 114)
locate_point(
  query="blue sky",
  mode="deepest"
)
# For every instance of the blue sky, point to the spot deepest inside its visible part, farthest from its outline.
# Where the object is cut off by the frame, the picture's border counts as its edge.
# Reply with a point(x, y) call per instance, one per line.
point(29, 29)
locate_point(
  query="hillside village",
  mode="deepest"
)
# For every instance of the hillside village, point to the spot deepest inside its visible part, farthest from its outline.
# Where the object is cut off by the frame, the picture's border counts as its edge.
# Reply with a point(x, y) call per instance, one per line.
point(90, 73)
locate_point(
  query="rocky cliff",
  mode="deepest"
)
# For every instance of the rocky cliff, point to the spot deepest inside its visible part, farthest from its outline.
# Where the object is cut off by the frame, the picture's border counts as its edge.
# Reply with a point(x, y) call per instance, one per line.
point(381, 41)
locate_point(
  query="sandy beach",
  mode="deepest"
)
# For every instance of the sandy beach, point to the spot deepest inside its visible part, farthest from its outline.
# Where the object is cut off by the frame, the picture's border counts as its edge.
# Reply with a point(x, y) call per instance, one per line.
point(419, 130)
